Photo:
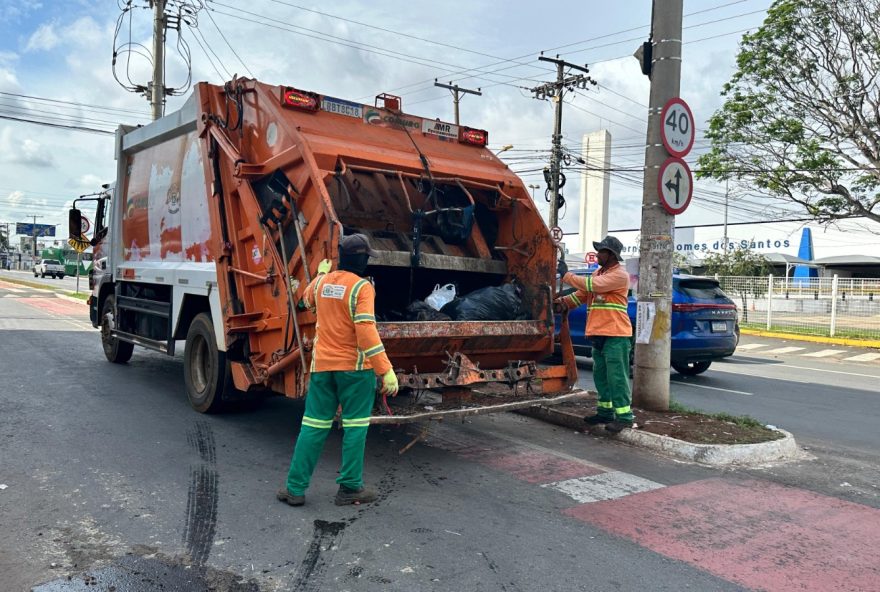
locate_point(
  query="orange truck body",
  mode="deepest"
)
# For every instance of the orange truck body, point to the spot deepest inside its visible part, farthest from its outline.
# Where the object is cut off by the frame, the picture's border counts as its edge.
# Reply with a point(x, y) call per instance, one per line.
point(226, 207)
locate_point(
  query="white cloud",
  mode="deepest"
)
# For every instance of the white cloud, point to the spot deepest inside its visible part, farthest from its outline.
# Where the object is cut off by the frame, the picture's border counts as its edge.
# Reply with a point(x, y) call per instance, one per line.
point(90, 181)
point(43, 39)
point(15, 198)
point(13, 10)
point(27, 152)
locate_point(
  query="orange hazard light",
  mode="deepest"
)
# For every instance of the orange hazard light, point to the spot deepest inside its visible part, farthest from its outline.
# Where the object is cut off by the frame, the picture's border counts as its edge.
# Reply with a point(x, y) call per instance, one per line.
point(300, 99)
point(475, 137)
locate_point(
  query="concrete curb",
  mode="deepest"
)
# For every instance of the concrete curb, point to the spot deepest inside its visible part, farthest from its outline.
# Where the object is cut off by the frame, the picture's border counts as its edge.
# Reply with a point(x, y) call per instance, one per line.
point(784, 449)
point(872, 343)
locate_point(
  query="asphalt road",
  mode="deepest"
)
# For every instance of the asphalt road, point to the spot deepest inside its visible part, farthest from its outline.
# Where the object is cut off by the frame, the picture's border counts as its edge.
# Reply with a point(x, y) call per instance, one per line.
point(108, 478)
point(67, 283)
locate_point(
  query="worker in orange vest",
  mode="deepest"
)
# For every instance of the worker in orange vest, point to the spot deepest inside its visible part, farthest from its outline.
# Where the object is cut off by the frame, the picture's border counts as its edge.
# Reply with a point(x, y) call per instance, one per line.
point(609, 330)
point(347, 356)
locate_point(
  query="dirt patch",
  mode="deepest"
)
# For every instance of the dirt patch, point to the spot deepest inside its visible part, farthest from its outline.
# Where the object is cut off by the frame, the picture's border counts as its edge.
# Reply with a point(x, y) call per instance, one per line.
point(697, 428)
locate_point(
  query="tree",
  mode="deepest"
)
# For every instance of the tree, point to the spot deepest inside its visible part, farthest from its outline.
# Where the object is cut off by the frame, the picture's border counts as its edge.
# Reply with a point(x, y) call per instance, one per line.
point(743, 272)
point(801, 117)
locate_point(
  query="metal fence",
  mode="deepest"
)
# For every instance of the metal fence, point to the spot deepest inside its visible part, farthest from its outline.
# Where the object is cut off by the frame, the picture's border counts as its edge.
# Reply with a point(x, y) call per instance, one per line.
point(834, 307)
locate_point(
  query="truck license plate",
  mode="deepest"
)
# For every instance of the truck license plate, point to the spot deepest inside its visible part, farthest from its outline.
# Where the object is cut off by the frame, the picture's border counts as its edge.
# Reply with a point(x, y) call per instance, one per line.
point(719, 326)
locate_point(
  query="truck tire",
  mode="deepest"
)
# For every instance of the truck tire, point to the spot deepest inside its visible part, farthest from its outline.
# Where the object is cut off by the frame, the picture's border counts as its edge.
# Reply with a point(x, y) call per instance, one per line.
point(205, 370)
point(115, 350)
point(691, 368)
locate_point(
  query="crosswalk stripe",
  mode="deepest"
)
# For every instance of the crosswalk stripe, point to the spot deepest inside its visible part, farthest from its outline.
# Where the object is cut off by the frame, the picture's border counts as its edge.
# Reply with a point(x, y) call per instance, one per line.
point(749, 346)
point(783, 350)
point(825, 353)
point(604, 486)
point(863, 358)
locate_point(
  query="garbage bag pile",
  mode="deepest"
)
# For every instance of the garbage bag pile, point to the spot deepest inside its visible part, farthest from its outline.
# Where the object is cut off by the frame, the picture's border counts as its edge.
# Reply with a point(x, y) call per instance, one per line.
point(422, 311)
point(501, 303)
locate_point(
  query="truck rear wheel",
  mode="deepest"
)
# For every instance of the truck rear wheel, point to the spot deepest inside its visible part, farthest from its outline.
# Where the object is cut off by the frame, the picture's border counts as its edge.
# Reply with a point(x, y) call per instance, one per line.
point(205, 370)
point(115, 350)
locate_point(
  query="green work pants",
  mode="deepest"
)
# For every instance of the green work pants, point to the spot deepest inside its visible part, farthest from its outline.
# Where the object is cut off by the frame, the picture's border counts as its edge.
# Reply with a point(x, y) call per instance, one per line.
point(355, 391)
point(611, 375)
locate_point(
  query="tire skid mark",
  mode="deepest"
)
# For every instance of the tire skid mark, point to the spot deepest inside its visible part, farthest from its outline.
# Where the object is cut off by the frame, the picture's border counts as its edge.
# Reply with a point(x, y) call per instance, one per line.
point(494, 567)
point(200, 525)
point(201, 438)
point(310, 575)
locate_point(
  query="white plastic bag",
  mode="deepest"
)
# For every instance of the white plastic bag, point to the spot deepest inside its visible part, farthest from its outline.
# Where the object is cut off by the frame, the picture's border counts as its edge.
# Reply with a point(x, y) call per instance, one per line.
point(441, 296)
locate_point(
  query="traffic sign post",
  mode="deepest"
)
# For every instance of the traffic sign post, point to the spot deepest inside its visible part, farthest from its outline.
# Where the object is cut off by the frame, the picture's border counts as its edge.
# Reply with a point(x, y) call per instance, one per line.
point(591, 258)
point(556, 234)
point(677, 127)
point(675, 185)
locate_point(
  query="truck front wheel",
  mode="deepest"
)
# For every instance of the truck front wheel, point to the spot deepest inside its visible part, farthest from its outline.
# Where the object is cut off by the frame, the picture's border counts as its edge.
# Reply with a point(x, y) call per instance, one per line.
point(205, 370)
point(115, 350)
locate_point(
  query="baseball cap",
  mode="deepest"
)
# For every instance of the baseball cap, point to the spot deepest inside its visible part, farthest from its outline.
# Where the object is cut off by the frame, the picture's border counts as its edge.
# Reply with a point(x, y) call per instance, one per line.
point(355, 244)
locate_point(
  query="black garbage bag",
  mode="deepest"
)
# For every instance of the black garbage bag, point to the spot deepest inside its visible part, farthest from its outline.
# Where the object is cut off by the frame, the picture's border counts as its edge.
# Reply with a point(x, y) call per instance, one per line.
point(501, 303)
point(422, 311)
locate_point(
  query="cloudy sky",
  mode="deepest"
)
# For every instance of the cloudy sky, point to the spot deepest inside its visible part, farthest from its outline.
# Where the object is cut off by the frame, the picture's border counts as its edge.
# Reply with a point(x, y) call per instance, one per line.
point(55, 67)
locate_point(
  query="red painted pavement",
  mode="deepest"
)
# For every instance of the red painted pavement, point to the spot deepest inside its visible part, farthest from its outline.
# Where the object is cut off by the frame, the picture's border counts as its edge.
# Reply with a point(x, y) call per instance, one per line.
point(57, 306)
point(533, 466)
point(525, 464)
point(758, 534)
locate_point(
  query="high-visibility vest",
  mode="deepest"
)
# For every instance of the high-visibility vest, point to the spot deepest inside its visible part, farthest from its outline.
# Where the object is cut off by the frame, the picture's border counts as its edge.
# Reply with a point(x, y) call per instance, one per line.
point(346, 336)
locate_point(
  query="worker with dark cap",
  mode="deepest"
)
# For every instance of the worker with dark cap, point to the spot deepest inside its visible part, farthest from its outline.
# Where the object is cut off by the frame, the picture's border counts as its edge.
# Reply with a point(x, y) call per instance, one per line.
point(609, 330)
point(346, 358)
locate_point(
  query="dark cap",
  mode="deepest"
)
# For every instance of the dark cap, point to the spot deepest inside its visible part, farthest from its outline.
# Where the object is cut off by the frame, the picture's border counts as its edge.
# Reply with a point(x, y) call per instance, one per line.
point(356, 244)
point(610, 243)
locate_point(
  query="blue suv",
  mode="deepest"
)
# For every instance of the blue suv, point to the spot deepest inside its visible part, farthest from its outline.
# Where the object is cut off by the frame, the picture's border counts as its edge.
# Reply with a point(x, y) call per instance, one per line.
point(704, 323)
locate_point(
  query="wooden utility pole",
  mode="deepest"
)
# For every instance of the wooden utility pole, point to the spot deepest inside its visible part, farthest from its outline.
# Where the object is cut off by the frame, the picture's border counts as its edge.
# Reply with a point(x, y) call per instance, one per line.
point(556, 91)
point(651, 378)
point(157, 85)
point(457, 91)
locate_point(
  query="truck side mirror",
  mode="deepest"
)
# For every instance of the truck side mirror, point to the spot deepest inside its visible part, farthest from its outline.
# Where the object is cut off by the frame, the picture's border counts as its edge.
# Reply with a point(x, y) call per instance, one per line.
point(74, 223)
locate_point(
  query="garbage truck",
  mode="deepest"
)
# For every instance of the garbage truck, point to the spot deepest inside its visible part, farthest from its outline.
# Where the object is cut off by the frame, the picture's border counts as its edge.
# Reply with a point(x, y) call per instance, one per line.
point(222, 211)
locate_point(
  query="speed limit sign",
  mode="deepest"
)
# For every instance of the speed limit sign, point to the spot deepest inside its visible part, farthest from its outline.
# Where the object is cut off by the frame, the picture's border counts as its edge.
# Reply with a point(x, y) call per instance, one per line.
point(677, 127)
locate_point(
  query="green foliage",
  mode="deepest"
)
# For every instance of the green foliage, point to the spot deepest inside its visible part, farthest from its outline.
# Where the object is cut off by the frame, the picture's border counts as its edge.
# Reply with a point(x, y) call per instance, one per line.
point(801, 116)
point(737, 262)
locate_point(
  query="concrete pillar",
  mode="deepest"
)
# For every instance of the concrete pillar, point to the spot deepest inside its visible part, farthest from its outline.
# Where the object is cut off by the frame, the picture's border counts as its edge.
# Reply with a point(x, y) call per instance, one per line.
point(593, 220)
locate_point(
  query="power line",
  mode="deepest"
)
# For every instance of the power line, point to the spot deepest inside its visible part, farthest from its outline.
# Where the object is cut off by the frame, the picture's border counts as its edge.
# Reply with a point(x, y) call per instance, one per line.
point(235, 53)
point(78, 128)
point(76, 104)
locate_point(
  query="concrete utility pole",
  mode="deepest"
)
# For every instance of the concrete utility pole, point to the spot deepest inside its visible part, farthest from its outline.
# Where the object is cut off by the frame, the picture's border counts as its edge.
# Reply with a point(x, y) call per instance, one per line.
point(456, 96)
point(157, 85)
point(556, 91)
point(651, 379)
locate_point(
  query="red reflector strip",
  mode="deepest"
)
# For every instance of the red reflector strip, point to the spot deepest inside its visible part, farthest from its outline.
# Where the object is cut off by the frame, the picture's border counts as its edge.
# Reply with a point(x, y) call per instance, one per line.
point(300, 99)
point(693, 307)
point(475, 137)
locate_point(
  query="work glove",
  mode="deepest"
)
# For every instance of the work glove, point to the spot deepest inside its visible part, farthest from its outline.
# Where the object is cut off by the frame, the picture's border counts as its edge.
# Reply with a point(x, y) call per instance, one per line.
point(561, 268)
point(559, 307)
point(324, 266)
point(389, 383)
point(301, 305)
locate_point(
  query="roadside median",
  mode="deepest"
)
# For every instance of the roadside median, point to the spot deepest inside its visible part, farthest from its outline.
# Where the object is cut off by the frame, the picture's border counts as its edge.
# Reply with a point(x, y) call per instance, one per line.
point(688, 435)
point(80, 297)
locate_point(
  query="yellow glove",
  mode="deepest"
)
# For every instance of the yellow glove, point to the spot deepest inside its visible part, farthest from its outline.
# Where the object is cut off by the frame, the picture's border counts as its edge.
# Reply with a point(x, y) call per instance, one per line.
point(389, 383)
point(324, 266)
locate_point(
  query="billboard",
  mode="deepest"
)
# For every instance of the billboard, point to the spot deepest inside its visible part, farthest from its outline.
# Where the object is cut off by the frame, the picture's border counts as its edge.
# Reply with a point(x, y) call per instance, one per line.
point(34, 229)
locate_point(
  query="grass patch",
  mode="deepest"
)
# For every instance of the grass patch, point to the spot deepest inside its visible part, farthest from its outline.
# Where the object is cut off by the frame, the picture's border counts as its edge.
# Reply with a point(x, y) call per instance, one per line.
point(81, 296)
point(814, 332)
point(740, 420)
